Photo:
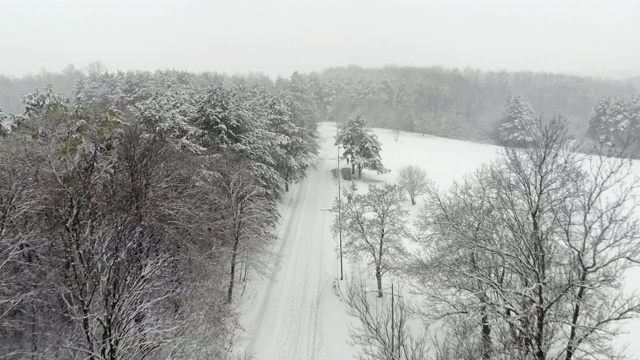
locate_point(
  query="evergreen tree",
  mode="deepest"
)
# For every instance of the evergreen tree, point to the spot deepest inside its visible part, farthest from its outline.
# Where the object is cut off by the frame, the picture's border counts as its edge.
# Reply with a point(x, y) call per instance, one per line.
point(169, 112)
point(293, 154)
point(515, 129)
point(3, 127)
point(360, 146)
point(633, 110)
point(610, 122)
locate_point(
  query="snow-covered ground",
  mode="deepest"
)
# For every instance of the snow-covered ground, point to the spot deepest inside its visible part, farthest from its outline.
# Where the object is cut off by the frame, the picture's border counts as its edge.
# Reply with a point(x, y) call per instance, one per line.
point(297, 314)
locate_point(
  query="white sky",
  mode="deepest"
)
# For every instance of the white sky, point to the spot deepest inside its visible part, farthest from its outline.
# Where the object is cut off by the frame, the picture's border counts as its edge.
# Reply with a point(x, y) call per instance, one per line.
point(279, 37)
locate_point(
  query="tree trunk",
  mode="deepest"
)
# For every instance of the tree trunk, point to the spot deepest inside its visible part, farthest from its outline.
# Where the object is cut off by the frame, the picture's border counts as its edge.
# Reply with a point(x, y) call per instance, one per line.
point(359, 171)
point(34, 341)
point(233, 270)
point(486, 336)
point(286, 181)
point(571, 346)
point(540, 355)
point(540, 311)
point(353, 168)
point(246, 269)
point(379, 278)
point(413, 200)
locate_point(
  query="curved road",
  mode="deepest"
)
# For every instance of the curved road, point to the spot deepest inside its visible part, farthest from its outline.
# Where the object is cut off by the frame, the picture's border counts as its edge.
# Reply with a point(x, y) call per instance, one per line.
point(299, 316)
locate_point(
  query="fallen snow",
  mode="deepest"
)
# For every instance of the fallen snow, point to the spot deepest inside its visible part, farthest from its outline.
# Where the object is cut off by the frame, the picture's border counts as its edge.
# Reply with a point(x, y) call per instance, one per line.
point(298, 315)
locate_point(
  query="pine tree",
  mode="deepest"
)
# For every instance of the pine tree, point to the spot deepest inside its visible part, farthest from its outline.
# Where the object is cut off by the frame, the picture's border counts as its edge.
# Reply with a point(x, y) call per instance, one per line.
point(633, 111)
point(169, 112)
point(4, 130)
point(360, 146)
point(610, 122)
point(293, 154)
point(516, 127)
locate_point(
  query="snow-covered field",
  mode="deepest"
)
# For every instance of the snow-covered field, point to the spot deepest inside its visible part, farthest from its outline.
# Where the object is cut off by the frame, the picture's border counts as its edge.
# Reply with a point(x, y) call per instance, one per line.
point(297, 314)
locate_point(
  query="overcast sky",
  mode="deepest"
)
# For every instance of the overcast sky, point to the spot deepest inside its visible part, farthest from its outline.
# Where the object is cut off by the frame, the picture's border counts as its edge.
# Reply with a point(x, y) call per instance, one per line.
point(279, 37)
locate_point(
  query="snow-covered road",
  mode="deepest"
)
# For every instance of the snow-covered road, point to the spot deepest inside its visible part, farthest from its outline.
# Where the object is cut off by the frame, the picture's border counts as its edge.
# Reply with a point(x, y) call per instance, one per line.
point(298, 315)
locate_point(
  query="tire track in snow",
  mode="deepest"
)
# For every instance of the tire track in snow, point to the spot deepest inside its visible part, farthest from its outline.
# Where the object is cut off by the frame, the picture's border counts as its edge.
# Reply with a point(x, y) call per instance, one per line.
point(299, 317)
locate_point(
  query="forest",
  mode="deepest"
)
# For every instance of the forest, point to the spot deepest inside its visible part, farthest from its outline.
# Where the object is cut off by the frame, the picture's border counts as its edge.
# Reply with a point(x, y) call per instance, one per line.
point(135, 205)
point(456, 103)
point(132, 211)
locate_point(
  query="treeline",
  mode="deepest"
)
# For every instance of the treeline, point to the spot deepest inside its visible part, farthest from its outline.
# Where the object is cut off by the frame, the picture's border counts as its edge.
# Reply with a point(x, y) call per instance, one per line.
point(12, 89)
point(464, 104)
point(130, 215)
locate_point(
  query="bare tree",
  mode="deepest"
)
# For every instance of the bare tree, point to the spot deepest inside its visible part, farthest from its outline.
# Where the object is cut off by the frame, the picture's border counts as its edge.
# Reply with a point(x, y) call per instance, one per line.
point(455, 338)
point(375, 225)
point(16, 199)
point(113, 263)
point(383, 332)
point(601, 237)
point(247, 216)
point(533, 248)
point(396, 133)
point(450, 267)
point(414, 181)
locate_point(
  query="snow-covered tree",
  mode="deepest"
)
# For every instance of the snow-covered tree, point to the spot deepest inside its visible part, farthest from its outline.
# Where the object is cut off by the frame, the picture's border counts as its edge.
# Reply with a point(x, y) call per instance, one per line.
point(294, 143)
point(633, 111)
point(43, 103)
point(610, 122)
point(375, 225)
point(531, 251)
point(158, 189)
point(119, 90)
point(349, 136)
point(414, 181)
point(247, 214)
point(360, 146)
point(368, 155)
point(384, 332)
point(4, 129)
point(230, 118)
point(170, 112)
point(515, 129)
point(305, 109)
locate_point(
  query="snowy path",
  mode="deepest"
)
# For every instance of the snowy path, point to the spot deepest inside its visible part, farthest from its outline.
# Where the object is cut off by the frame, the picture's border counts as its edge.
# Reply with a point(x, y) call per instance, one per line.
point(298, 315)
